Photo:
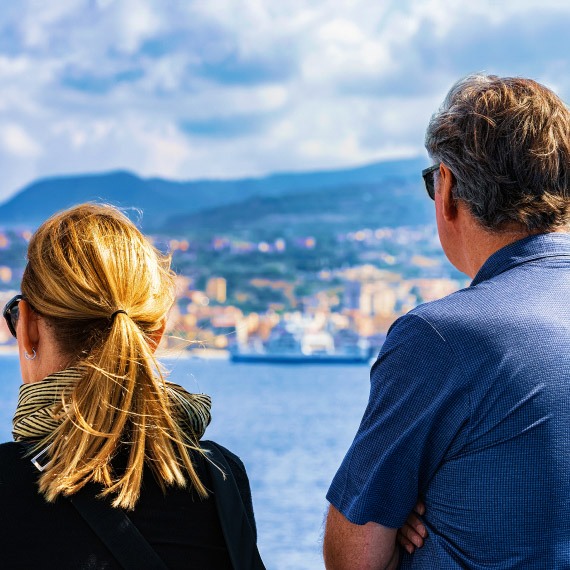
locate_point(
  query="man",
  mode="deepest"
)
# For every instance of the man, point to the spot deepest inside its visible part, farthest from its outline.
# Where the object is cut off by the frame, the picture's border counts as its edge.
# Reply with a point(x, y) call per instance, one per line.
point(469, 409)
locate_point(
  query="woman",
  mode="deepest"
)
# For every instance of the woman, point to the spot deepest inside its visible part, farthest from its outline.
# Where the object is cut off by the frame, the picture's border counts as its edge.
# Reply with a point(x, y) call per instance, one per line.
point(96, 419)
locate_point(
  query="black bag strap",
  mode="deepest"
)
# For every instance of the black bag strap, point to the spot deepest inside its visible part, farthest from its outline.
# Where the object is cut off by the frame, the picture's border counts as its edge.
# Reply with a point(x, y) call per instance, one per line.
point(133, 551)
point(113, 527)
point(117, 532)
point(240, 540)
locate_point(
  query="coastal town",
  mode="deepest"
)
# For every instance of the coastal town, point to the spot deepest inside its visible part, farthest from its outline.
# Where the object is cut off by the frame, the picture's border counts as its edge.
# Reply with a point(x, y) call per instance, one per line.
point(323, 294)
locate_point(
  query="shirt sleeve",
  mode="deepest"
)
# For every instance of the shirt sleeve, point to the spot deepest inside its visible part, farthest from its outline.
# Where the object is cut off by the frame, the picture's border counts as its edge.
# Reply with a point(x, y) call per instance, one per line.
point(417, 409)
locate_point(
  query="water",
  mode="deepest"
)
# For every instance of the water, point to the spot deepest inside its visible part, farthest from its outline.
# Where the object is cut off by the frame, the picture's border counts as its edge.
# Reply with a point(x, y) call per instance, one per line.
point(291, 426)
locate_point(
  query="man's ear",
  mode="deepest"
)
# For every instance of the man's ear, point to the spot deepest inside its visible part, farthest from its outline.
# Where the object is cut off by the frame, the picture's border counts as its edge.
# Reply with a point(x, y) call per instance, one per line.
point(28, 330)
point(156, 336)
point(445, 190)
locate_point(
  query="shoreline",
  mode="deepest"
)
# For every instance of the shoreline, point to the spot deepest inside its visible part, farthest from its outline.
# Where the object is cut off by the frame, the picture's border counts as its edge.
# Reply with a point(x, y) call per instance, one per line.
point(202, 353)
point(194, 353)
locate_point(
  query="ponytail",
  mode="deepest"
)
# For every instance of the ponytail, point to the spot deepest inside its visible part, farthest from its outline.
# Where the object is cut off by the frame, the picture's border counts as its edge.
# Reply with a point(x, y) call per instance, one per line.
point(82, 265)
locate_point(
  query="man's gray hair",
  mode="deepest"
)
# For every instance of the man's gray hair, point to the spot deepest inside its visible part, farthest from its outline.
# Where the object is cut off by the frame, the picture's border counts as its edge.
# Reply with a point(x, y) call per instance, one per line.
point(507, 143)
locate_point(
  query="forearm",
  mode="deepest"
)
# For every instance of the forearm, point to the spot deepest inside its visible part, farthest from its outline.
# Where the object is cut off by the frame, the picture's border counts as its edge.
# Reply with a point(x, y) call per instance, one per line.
point(349, 546)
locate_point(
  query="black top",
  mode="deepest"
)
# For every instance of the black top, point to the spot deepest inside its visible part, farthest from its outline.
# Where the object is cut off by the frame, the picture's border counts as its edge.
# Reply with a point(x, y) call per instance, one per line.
point(183, 529)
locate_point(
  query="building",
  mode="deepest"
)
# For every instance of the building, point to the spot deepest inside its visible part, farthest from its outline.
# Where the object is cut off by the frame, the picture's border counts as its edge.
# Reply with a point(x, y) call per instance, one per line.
point(216, 289)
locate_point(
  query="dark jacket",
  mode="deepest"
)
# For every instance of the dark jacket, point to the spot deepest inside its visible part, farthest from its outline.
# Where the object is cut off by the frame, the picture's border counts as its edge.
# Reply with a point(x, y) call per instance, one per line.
point(183, 529)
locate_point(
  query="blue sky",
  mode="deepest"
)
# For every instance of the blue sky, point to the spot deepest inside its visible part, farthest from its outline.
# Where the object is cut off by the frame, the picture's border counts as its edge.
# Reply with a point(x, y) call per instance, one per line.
point(229, 88)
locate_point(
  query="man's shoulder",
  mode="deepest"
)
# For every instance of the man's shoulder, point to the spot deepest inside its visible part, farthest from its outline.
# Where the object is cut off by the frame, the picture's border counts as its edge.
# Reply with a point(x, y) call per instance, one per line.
point(453, 323)
point(459, 309)
point(470, 306)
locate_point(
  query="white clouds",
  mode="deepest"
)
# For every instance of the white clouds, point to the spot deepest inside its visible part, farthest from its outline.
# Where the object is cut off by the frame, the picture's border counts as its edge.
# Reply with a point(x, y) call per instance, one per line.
point(82, 134)
point(17, 142)
point(11, 67)
point(341, 31)
point(38, 19)
point(340, 50)
point(135, 22)
point(233, 87)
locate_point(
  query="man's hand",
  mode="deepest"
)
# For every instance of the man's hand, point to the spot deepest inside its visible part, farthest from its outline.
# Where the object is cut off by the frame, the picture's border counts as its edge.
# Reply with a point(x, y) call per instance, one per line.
point(349, 546)
point(413, 533)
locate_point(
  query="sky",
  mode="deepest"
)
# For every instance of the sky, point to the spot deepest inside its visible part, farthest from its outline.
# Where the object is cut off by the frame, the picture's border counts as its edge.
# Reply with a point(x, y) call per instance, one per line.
point(195, 89)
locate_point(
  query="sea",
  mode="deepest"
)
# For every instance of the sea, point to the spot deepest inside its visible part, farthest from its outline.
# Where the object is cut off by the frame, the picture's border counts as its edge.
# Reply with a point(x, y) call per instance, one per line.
point(290, 424)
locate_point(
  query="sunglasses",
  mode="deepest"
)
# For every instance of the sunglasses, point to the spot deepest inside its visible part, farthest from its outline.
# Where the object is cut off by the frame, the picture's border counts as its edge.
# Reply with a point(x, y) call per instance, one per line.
point(11, 313)
point(427, 175)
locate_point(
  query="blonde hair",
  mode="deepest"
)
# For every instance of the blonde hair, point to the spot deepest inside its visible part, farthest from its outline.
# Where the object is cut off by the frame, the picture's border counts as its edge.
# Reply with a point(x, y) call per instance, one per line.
point(84, 265)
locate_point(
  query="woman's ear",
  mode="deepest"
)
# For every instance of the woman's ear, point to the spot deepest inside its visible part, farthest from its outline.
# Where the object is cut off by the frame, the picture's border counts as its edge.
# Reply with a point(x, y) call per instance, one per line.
point(28, 330)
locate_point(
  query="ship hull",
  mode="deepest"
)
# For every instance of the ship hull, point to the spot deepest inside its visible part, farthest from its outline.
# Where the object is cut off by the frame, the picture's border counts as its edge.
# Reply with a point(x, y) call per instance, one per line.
point(299, 358)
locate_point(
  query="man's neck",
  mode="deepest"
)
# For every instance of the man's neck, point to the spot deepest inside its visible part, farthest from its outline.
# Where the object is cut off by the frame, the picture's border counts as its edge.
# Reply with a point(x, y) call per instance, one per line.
point(479, 243)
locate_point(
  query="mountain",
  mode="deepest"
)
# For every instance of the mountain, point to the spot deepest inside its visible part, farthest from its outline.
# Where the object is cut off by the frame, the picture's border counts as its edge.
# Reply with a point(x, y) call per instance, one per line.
point(342, 208)
point(163, 202)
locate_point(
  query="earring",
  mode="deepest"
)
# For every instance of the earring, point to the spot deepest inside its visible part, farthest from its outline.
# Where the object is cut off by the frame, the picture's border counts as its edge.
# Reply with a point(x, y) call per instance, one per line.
point(28, 356)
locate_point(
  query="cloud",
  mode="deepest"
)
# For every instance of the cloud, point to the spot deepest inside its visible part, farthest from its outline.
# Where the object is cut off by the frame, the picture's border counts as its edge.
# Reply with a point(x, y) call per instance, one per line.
point(235, 69)
point(225, 127)
point(17, 142)
point(97, 84)
point(228, 88)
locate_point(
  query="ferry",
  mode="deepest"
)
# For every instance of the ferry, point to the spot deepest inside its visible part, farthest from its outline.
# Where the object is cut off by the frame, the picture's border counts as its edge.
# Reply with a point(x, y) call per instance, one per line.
point(286, 347)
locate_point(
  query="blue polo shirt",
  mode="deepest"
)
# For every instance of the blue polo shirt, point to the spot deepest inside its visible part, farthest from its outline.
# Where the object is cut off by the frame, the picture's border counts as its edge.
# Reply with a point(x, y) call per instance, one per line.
point(470, 409)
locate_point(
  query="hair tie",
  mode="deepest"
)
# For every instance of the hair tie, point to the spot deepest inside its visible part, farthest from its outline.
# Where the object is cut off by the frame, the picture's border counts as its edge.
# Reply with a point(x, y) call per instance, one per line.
point(112, 317)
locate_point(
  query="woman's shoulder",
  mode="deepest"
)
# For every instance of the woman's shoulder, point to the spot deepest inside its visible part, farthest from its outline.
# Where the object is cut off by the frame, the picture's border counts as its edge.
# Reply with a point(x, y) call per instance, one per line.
point(240, 476)
point(235, 463)
point(18, 476)
point(14, 461)
point(12, 448)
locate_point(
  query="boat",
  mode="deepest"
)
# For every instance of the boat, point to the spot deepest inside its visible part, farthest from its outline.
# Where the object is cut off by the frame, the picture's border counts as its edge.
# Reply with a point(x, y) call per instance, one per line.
point(287, 347)
point(237, 355)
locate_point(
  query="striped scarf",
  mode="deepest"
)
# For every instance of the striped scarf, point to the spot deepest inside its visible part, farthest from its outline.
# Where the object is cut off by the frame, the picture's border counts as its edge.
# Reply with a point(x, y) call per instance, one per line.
point(40, 406)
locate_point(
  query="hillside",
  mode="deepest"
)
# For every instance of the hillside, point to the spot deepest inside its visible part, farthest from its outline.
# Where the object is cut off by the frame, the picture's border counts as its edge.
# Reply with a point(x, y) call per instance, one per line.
point(392, 203)
point(160, 200)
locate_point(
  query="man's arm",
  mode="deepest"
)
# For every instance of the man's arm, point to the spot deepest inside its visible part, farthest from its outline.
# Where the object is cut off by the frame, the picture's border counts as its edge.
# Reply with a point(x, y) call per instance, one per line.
point(349, 546)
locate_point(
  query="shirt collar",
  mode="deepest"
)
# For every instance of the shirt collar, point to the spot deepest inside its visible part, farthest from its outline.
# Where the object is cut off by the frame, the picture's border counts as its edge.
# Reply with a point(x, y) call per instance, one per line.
point(527, 249)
